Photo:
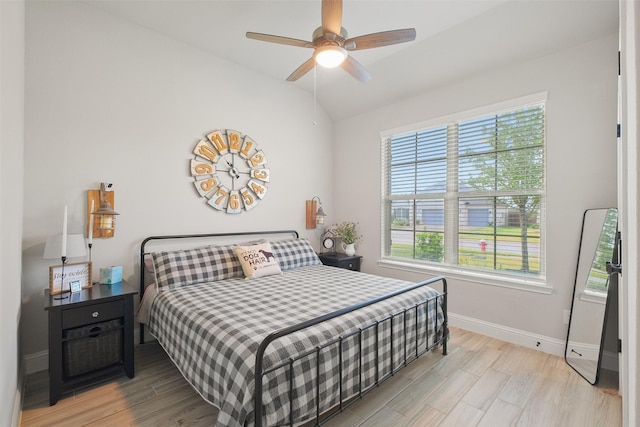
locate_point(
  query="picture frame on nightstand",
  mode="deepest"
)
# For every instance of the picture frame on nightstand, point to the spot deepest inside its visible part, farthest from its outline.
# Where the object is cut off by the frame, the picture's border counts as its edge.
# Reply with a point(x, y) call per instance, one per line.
point(76, 286)
point(329, 242)
point(80, 271)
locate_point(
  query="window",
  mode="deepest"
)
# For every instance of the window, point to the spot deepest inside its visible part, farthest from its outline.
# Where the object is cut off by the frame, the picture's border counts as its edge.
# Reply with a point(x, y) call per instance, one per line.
point(468, 192)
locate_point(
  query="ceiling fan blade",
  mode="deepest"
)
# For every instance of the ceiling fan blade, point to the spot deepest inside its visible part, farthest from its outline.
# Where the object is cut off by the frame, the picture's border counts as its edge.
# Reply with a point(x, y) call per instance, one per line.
point(332, 16)
point(279, 39)
point(356, 69)
point(302, 70)
point(384, 38)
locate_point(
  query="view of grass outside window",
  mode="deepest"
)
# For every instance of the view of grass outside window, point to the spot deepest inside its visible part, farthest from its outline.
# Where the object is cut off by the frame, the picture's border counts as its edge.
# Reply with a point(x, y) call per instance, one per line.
point(469, 193)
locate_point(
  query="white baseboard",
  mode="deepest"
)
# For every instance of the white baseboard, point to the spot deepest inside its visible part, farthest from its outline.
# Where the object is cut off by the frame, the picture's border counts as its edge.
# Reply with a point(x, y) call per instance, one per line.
point(36, 362)
point(17, 401)
point(18, 398)
point(515, 336)
point(527, 339)
point(610, 361)
point(40, 361)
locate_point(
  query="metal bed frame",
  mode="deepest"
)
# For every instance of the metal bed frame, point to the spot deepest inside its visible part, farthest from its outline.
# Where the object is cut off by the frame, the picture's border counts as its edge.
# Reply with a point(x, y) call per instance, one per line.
point(260, 372)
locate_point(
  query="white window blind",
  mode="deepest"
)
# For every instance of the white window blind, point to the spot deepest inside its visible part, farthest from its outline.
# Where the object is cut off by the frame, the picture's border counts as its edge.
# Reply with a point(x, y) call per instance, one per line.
point(468, 193)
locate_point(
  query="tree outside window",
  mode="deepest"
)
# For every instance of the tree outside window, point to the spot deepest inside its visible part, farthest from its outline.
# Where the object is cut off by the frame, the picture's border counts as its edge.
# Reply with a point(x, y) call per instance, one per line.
point(469, 193)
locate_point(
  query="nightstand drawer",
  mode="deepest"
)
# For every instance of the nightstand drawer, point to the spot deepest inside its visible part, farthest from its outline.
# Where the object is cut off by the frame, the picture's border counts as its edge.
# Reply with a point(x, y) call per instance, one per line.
point(92, 313)
point(351, 264)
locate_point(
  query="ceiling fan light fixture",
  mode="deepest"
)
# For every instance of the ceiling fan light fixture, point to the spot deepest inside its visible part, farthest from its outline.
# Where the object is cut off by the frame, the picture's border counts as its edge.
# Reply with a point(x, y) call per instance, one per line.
point(331, 43)
point(330, 56)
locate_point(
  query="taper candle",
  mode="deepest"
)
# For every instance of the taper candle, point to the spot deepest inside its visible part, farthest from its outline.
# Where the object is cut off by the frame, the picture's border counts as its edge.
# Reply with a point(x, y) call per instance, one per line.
point(91, 224)
point(64, 233)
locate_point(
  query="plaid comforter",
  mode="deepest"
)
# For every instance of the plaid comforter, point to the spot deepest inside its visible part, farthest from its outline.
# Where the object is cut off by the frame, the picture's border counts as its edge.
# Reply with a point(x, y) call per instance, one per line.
point(211, 331)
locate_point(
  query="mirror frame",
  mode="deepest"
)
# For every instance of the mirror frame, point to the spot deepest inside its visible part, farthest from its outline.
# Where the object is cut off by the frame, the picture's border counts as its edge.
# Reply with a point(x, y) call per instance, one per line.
point(588, 258)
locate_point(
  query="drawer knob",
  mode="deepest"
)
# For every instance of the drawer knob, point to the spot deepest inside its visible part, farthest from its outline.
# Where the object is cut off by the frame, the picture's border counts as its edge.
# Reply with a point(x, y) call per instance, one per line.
point(95, 314)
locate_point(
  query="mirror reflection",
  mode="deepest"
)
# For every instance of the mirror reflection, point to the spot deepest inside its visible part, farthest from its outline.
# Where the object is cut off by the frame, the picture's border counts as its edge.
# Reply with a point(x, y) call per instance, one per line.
point(591, 293)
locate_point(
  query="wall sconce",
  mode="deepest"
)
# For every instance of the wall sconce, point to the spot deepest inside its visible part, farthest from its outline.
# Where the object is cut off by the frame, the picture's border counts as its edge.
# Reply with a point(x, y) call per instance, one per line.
point(102, 221)
point(315, 213)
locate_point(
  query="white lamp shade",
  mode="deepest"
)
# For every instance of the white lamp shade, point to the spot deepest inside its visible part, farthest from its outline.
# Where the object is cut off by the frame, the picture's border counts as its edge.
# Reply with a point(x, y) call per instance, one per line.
point(76, 246)
point(330, 56)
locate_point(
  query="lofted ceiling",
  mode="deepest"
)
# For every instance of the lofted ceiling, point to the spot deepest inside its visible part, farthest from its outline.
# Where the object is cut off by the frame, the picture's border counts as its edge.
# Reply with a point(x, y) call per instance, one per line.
point(455, 38)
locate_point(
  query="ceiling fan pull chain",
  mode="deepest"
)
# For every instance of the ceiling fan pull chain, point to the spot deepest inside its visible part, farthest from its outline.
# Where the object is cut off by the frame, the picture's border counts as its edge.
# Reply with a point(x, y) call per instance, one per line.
point(315, 104)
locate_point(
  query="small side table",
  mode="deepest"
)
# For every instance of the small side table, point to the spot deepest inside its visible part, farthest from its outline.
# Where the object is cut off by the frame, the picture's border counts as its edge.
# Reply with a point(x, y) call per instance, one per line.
point(90, 336)
point(341, 260)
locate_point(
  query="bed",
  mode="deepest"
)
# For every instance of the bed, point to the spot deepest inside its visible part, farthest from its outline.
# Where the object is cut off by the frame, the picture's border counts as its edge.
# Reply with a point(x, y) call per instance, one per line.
point(281, 339)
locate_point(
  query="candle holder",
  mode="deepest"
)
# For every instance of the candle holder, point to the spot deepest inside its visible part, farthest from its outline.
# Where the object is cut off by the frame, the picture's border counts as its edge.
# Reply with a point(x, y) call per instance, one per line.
point(63, 296)
point(76, 248)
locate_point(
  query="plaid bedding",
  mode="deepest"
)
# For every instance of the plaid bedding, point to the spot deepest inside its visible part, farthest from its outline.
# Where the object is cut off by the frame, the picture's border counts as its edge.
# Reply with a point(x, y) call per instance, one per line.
point(211, 331)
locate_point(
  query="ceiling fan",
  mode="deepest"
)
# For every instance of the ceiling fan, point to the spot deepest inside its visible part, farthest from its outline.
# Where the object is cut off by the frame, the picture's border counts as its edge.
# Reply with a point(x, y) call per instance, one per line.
point(332, 46)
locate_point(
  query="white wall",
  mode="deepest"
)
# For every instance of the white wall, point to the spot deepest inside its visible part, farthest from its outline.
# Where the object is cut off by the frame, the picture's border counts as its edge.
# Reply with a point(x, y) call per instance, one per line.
point(581, 172)
point(11, 185)
point(110, 101)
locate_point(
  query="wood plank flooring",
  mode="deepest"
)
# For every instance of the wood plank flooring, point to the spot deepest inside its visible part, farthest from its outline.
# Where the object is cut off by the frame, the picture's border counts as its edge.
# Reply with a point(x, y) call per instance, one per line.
point(482, 382)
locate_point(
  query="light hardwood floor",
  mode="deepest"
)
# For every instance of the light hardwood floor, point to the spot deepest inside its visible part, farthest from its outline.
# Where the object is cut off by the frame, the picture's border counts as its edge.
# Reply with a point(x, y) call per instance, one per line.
point(482, 382)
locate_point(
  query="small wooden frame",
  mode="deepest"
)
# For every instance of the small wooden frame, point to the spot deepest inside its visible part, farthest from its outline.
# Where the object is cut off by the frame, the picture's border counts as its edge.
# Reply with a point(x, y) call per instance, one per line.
point(311, 209)
point(80, 271)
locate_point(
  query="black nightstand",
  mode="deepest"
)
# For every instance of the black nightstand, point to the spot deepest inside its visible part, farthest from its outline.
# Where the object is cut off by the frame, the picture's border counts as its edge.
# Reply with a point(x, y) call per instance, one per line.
point(341, 260)
point(90, 336)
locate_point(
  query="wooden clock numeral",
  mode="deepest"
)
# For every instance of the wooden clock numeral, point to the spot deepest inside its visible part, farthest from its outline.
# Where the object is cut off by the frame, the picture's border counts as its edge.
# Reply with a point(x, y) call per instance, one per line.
point(248, 198)
point(235, 204)
point(258, 159)
point(206, 151)
point(234, 140)
point(199, 168)
point(219, 141)
point(248, 146)
point(259, 189)
point(219, 198)
point(261, 174)
point(205, 186)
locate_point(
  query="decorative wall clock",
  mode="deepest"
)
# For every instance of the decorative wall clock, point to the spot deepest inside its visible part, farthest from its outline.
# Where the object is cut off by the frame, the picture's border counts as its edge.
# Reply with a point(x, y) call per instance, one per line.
point(229, 171)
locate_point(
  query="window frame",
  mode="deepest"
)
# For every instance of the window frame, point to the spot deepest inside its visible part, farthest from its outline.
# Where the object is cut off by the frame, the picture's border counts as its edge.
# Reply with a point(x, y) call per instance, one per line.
point(537, 283)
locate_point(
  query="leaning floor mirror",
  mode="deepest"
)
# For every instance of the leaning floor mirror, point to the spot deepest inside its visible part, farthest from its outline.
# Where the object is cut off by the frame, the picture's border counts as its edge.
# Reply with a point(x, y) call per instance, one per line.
point(593, 293)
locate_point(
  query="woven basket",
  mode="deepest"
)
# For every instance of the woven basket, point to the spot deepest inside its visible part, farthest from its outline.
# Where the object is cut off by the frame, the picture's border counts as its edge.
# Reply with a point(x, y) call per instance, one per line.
point(96, 346)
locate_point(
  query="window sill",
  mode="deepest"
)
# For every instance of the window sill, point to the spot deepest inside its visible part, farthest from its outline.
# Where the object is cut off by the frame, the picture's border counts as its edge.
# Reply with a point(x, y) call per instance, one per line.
point(593, 296)
point(536, 285)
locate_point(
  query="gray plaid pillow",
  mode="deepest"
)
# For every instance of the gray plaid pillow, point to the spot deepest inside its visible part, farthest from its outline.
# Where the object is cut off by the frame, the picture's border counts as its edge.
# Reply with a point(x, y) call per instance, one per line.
point(187, 267)
point(294, 253)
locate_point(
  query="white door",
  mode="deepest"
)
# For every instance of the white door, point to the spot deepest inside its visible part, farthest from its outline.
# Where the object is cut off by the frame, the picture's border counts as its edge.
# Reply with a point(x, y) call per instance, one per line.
point(629, 207)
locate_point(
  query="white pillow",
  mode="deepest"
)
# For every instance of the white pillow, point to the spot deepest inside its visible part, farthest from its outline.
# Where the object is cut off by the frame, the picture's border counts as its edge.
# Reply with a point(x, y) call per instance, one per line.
point(257, 260)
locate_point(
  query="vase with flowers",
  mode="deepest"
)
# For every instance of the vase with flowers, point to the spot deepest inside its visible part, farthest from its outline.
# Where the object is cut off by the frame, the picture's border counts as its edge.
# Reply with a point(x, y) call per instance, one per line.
point(348, 233)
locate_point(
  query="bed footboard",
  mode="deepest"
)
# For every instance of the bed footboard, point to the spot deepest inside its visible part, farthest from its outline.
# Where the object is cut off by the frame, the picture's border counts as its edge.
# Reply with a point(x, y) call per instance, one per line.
point(431, 340)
